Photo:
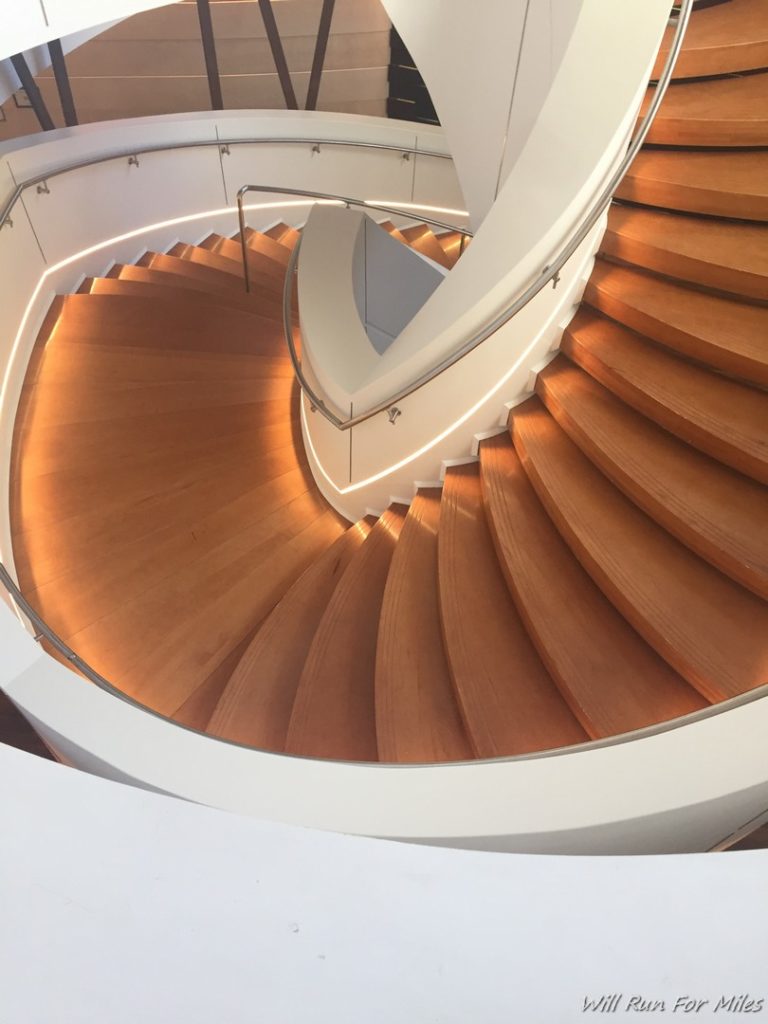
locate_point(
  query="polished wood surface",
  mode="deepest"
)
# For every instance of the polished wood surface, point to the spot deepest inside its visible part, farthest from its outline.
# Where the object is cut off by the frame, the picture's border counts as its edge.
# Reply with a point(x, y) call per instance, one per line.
point(508, 701)
point(724, 334)
point(612, 680)
point(703, 624)
point(417, 716)
point(256, 705)
point(334, 711)
point(717, 512)
point(722, 39)
point(716, 112)
point(720, 184)
point(724, 418)
point(724, 255)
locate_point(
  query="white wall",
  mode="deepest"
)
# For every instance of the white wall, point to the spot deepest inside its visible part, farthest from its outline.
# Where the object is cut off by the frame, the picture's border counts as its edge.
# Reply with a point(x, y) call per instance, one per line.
point(488, 68)
point(578, 140)
point(121, 906)
point(27, 23)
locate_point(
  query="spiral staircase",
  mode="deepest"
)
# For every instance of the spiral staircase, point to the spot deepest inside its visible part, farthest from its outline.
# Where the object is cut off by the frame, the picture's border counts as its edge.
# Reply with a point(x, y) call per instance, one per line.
point(601, 567)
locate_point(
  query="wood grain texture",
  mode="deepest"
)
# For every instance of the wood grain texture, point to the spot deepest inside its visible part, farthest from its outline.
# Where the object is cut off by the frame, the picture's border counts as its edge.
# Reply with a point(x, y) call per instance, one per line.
point(725, 334)
point(718, 513)
point(720, 184)
point(162, 503)
point(255, 706)
point(724, 255)
point(719, 112)
point(612, 680)
point(334, 712)
point(284, 234)
point(721, 417)
point(417, 716)
point(712, 631)
point(720, 40)
point(508, 701)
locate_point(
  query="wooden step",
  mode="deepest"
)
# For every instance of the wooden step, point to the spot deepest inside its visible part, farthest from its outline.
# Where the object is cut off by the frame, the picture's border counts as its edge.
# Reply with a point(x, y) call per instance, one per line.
point(612, 680)
point(450, 242)
point(256, 704)
point(720, 112)
point(722, 333)
point(259, 263)
point(178, 294)
point(207, 276)
point(334, 712)
point(720, 40)
point(718, 513)
point(422, 239)
point(723, 418)
point(284, 234)
point(725, 255)
point(390, 228)
point(162, 322)
point(508, 701)
point(217, 292)
point(720, 184)
point(711, 630)
point(262, 244)
point(270, 280)
point(417, 717)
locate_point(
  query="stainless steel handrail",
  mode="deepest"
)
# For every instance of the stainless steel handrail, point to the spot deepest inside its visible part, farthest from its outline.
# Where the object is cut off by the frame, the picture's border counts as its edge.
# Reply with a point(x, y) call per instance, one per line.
point(5, 211)
point(550, 273)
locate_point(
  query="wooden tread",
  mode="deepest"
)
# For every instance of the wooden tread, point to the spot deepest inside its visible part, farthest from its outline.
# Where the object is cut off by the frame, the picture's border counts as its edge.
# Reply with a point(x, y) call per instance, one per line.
point(612, 680)
point(724, 255)
point(719, 332)
point(508, 701)
point(417, 717)
point(421, 238)
point(720, 184)
point(334, 711)
point(712, 631)
point(720, 40)
point(718, 513)
point(255, 707)
point(284, 234)
point(719, 112)
point(723, 418)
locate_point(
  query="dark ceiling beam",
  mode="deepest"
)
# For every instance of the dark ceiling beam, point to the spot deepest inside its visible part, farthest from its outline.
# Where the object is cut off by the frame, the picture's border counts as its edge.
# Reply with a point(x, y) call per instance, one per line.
point(29, 85)
point(209, 52)
point(278, 54)
point(59, 66)
point(321, 45)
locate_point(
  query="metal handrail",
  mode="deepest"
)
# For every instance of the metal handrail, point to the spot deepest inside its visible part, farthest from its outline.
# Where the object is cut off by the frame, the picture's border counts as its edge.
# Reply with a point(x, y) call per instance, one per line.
point(550, 273)
point(135, 152)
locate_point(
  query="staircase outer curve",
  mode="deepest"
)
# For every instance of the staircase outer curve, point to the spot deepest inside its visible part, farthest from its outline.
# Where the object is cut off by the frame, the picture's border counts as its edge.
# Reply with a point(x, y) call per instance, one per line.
point(550, 473)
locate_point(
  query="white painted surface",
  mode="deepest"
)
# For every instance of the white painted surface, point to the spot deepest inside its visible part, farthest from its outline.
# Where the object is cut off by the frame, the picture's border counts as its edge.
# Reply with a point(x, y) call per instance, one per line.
point(121, 906)
point(682, 790)
point(578, 140)
point(488, 68)
point(28, 23)
point(358, 288)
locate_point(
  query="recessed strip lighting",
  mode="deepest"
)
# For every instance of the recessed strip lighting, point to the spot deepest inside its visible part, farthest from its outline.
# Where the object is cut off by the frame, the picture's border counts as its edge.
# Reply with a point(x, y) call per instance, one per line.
point(430, 444)
point(417, 206)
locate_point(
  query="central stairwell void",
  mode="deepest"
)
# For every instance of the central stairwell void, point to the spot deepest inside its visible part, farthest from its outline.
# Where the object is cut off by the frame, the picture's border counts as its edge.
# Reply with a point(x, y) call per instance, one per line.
point(598, 568)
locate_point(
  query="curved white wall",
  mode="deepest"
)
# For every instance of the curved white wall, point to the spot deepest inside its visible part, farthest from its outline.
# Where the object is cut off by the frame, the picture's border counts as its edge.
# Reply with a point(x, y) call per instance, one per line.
point(121, 906)
point(575, 145)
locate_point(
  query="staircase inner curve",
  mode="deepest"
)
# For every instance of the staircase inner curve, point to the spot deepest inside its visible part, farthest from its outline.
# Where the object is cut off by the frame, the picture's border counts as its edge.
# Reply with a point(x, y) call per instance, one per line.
point(601, 567)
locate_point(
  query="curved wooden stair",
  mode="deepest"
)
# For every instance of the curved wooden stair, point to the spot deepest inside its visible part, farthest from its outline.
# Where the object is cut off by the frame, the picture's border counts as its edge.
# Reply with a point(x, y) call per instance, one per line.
point(601, 567)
